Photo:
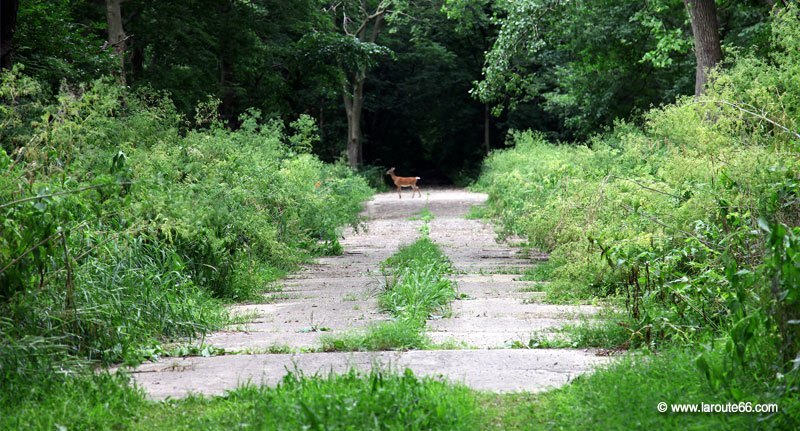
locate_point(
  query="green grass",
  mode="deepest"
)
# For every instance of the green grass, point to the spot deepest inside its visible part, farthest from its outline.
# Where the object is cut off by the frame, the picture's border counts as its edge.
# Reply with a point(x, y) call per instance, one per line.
point(601, 334)
point(421, 252)
point(477, 212)
point(625, 396)
point(540, 272)
point(530, 289)
point(509, 270)
point(607, 330)
point(417, 287)
point(350, 296)
point(621, 396)
point(400, 334)
point(352, 401)
point(177, 350)
point(82, 402)
point(425, 215)
point(418, 292)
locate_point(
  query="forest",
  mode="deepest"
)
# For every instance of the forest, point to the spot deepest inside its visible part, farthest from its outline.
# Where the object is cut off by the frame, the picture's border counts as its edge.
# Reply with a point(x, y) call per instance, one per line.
point(165, 162)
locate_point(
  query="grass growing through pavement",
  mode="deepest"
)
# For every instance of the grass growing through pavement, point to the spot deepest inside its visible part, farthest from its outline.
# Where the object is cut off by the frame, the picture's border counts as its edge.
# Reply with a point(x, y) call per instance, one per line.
point(345, 402)
point(476, 212)
point(338, 402)
point(417, 281)
point(425, 215)
point(626, 395)
point(611, 398)
point(399, 334)
point(417, 287)
point(609, 329)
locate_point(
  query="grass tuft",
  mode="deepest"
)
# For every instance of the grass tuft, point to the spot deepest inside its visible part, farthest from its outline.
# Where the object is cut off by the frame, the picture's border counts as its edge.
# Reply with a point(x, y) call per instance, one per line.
point(336, 402)
point(417, 286)
point(400, 334)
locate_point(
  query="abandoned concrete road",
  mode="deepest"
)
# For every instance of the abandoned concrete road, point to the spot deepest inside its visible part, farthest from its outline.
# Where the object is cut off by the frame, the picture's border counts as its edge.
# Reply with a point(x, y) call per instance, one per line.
point(497, 311)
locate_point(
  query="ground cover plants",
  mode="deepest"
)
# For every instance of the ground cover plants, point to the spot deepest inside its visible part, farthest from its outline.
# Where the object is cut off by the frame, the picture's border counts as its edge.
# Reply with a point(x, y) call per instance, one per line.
point(126, 225)
point(687, 223)
point(352, 400)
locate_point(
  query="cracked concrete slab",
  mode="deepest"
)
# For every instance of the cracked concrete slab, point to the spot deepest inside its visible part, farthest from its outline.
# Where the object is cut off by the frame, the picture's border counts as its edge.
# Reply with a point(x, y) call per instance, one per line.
point(493, 370)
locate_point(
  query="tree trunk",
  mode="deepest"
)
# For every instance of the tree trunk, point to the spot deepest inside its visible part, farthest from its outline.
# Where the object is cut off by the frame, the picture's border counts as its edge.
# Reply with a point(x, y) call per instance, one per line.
point(707, 48)
point(486, 144)
point(137, 61)
point(353, 104)
point(8, 24)
point(354, 88)
point(226, 87)
point(116, 33)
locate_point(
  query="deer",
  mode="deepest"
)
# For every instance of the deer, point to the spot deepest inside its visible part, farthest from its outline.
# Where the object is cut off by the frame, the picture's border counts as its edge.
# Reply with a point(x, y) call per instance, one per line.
point(401, 182)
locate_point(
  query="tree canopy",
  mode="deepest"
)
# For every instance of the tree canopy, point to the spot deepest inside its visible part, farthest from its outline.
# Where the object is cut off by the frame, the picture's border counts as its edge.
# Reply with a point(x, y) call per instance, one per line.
point(414, 81)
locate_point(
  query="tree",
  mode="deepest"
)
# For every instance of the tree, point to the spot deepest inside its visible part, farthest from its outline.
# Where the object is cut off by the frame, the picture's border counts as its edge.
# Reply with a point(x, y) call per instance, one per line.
point(571, 68)
point(117, 39)
point(471, 16)
point(244, 53)
point(707, 47)
point(363, 22)
point(63, 40)
point(8, 24)
point(418, 113)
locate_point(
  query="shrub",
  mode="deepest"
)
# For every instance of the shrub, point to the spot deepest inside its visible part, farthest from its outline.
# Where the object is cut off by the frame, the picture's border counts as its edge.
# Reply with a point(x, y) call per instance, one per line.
point(122, 229)
point(675, 219)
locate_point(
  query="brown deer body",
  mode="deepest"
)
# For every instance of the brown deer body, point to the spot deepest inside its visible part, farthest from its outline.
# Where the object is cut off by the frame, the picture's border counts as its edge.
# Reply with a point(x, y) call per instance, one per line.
point(401, 182)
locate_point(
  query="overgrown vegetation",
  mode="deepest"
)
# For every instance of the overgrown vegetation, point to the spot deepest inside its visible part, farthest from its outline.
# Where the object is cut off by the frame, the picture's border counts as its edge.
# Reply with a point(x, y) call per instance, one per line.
point(622, 397)
point(99, 402)
point(134, 205)
point(417, 286)
point(123, 228)
point(689, 222)
point(398, 400)
point(336, 402)
point(349, 401)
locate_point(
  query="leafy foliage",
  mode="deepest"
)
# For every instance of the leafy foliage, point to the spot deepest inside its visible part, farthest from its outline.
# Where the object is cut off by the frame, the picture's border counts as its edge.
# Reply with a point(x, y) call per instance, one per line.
point(62, 40)
point(684, 220)
point(119, 231)
point(592, 62)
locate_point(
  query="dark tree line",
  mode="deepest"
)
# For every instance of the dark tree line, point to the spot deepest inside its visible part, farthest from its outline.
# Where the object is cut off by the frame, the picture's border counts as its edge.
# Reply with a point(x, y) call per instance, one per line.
point(8, 24)
point(424, 84)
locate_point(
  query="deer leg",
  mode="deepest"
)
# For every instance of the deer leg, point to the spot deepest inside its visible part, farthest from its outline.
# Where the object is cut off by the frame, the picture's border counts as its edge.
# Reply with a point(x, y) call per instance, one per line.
point(398, 192)
point(417, 190)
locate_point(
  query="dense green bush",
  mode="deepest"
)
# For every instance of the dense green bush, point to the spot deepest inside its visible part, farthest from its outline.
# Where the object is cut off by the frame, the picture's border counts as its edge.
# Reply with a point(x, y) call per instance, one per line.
point(122, 227)
point(674, 218)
